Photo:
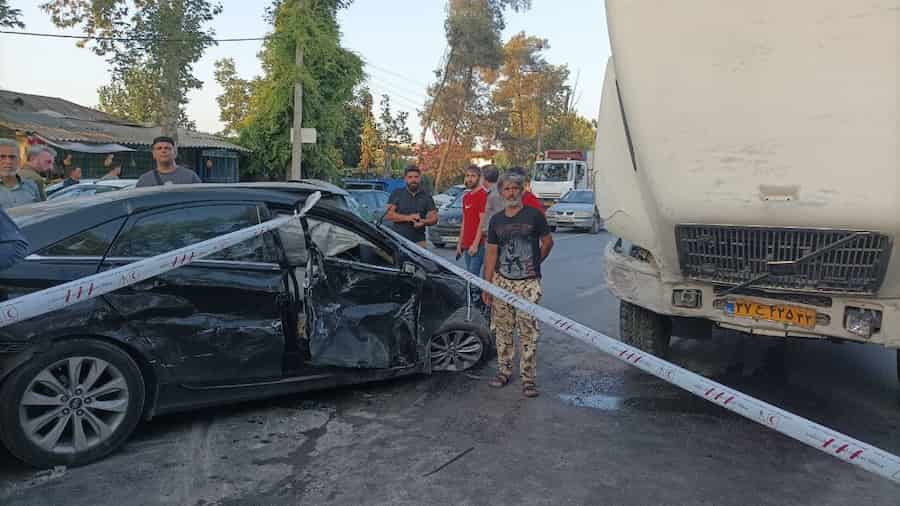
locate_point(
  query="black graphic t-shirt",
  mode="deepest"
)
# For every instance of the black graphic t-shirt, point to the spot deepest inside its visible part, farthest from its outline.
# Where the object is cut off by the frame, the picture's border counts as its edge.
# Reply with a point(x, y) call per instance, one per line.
point(518, 241)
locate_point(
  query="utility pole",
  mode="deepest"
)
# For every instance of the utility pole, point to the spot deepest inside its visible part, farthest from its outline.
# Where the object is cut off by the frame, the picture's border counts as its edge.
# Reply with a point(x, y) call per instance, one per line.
point(297, 140)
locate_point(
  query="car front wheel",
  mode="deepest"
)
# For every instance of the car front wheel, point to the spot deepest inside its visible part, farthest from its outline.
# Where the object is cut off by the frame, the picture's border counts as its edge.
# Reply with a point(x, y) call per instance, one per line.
point(72, 405)
point(458, 348)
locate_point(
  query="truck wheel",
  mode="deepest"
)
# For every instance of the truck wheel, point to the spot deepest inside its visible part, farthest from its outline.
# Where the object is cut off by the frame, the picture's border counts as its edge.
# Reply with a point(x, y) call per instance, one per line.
point(644, 329)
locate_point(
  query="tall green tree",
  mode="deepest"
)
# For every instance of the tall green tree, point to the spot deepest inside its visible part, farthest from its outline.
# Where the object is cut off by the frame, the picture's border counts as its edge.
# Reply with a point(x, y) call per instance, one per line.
point(528, 94)
point(9, 17)
point(234, 102)
point(135, 97)
point(163, 37)
point(371, 141)
point(394, 133)
point(329, 75)
point(457, 100)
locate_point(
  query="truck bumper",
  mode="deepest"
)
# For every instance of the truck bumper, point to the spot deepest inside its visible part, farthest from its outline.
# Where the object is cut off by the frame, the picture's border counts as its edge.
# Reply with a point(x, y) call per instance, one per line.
point(641, 283)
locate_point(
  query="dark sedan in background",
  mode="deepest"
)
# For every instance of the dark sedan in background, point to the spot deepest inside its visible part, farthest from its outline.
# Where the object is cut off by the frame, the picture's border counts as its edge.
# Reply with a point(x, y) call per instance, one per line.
point(324, 301)
point(373, 203)
point(446, 231)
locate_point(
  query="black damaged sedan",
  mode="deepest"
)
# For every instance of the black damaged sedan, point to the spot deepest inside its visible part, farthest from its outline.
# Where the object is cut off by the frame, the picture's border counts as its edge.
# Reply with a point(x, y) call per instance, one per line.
point(324, 301)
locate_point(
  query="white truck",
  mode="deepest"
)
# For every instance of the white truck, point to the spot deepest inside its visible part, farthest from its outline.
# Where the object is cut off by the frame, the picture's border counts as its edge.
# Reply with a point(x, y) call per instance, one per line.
point(747, 161)
point(559, 172)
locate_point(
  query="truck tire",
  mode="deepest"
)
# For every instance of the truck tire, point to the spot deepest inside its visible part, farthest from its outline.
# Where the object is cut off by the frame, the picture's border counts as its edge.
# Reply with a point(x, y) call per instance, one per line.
point(644, 329)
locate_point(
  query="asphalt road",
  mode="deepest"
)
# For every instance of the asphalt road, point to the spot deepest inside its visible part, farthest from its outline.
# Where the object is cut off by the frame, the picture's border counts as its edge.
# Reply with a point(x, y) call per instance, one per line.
point(600, 433)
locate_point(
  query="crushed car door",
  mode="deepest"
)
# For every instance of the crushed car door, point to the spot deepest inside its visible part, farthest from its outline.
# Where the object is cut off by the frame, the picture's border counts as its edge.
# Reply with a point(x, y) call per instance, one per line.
point(362, 310)
point(216, 320)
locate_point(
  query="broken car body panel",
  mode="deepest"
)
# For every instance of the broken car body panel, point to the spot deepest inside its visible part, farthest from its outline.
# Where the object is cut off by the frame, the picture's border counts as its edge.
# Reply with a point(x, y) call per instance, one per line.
point(254, 321)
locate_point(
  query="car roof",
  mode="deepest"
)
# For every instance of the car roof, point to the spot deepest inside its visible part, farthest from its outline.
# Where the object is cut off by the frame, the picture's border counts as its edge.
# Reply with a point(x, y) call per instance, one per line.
point(41, 222)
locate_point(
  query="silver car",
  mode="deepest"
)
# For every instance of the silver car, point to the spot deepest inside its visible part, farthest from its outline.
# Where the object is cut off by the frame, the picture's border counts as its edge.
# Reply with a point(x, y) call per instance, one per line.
point(576, 209)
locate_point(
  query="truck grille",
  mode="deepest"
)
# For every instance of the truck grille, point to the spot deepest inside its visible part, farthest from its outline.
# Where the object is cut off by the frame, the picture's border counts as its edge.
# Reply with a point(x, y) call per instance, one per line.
point(732, 255)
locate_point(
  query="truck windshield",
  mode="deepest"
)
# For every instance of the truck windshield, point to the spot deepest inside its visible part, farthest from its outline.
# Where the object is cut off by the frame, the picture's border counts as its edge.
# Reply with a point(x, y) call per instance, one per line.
point(552, 172)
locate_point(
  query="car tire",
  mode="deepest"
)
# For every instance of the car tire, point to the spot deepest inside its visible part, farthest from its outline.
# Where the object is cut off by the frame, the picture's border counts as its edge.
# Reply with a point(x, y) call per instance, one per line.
point(41, 402)
point(644, 329)
point(463, 332)
point(596, 225)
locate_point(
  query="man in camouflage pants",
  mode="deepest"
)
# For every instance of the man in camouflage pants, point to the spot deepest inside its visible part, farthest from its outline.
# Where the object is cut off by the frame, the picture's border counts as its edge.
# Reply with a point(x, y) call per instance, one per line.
point(518, 242)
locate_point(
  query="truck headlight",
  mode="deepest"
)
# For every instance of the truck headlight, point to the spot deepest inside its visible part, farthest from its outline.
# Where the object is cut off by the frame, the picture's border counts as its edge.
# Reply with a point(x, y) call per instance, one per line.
point(862, 322)
point(624, 247)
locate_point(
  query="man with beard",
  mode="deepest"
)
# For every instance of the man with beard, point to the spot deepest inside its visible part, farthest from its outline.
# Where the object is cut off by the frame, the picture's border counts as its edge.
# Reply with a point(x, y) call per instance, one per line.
point(38, 165)
point(473, 208)
point(411, 209)
point(518, 242)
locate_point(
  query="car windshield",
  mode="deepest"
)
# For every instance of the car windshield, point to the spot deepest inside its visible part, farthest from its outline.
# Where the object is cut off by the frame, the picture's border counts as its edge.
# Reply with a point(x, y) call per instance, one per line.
point(457, 201)
point(454, 190)
point(553, 172)
point(578, 197)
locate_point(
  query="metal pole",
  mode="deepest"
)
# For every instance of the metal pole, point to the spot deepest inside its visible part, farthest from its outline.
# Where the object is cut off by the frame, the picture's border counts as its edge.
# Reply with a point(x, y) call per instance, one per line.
point(297, 141)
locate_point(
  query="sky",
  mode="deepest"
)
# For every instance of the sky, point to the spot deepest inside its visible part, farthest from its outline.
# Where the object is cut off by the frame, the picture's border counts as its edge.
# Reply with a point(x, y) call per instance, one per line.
point(401, 41)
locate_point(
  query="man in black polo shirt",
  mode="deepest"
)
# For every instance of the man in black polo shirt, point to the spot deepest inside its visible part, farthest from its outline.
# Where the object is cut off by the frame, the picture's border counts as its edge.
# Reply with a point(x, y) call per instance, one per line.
point(411, 209)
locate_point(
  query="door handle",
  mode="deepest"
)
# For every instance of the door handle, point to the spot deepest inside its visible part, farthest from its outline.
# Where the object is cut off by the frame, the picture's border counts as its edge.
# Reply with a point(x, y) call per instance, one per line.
point(146, 286)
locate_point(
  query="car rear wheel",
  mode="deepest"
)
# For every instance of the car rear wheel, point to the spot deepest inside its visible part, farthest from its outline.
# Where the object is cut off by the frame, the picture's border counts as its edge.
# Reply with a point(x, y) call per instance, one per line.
point(458, 349)
point(72, 405)
point(644, 329)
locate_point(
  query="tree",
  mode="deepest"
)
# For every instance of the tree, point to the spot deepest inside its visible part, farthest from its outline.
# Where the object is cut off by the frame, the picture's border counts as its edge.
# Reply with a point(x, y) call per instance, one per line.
point(9, 17)
point(234, 101)
point(330, 74)
point(528, 94)
point(371, 142)
point(135, 97)
point(163, 37)
point(457, 102)
point(394, 133)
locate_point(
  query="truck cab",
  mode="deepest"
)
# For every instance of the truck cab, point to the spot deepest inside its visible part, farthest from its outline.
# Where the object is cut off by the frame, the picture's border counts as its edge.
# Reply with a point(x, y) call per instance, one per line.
point(560, 172)
point(749, 169)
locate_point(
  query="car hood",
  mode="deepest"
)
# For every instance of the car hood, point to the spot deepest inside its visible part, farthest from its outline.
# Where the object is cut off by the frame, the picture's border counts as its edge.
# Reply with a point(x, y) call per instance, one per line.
point(560, 208)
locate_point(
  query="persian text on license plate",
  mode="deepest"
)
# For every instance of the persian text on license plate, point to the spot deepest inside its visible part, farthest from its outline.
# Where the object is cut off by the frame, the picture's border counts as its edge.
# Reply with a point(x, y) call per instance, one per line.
point(791, 315)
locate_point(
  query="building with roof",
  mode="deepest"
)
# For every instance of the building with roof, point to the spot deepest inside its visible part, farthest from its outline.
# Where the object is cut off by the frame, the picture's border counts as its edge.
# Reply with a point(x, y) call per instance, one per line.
point(91, 139)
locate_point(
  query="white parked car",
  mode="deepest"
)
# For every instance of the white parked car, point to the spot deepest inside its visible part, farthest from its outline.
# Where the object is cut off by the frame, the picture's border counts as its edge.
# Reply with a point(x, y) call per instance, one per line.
point(446, 198)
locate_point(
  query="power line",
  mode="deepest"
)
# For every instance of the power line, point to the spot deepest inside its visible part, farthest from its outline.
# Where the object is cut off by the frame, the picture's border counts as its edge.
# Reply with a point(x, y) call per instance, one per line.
point(377, 84)
point(124, 39)
point(406, 88)
point(388, 71)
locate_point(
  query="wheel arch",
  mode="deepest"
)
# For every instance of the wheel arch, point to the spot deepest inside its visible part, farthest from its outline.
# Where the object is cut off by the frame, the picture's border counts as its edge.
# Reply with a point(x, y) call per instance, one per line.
point(148, 374)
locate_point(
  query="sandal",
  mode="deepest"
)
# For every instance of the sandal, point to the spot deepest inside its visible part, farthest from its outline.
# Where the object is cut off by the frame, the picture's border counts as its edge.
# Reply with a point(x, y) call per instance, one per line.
point(500, 381)
point(529, 389)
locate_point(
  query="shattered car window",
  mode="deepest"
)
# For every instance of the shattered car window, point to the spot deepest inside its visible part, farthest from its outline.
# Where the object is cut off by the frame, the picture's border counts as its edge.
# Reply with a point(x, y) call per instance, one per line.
point(334, 242)
point(166, 231)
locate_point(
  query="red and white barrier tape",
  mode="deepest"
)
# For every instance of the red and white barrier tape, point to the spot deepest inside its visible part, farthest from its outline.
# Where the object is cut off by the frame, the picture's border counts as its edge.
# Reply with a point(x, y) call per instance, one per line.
point(820, 437)
point(60, 296)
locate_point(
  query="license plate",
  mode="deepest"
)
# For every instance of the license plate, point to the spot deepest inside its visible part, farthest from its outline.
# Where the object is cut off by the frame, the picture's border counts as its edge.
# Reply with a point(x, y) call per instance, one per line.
point(452, 239)
point(791, 315)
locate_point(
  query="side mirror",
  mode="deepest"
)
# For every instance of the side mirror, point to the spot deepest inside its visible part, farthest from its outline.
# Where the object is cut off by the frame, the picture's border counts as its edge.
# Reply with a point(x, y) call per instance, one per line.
point(414, 270)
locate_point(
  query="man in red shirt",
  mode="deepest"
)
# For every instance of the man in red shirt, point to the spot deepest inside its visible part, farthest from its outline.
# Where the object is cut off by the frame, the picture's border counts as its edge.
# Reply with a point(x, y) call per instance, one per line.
point(528, 199)
point(474, 202)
